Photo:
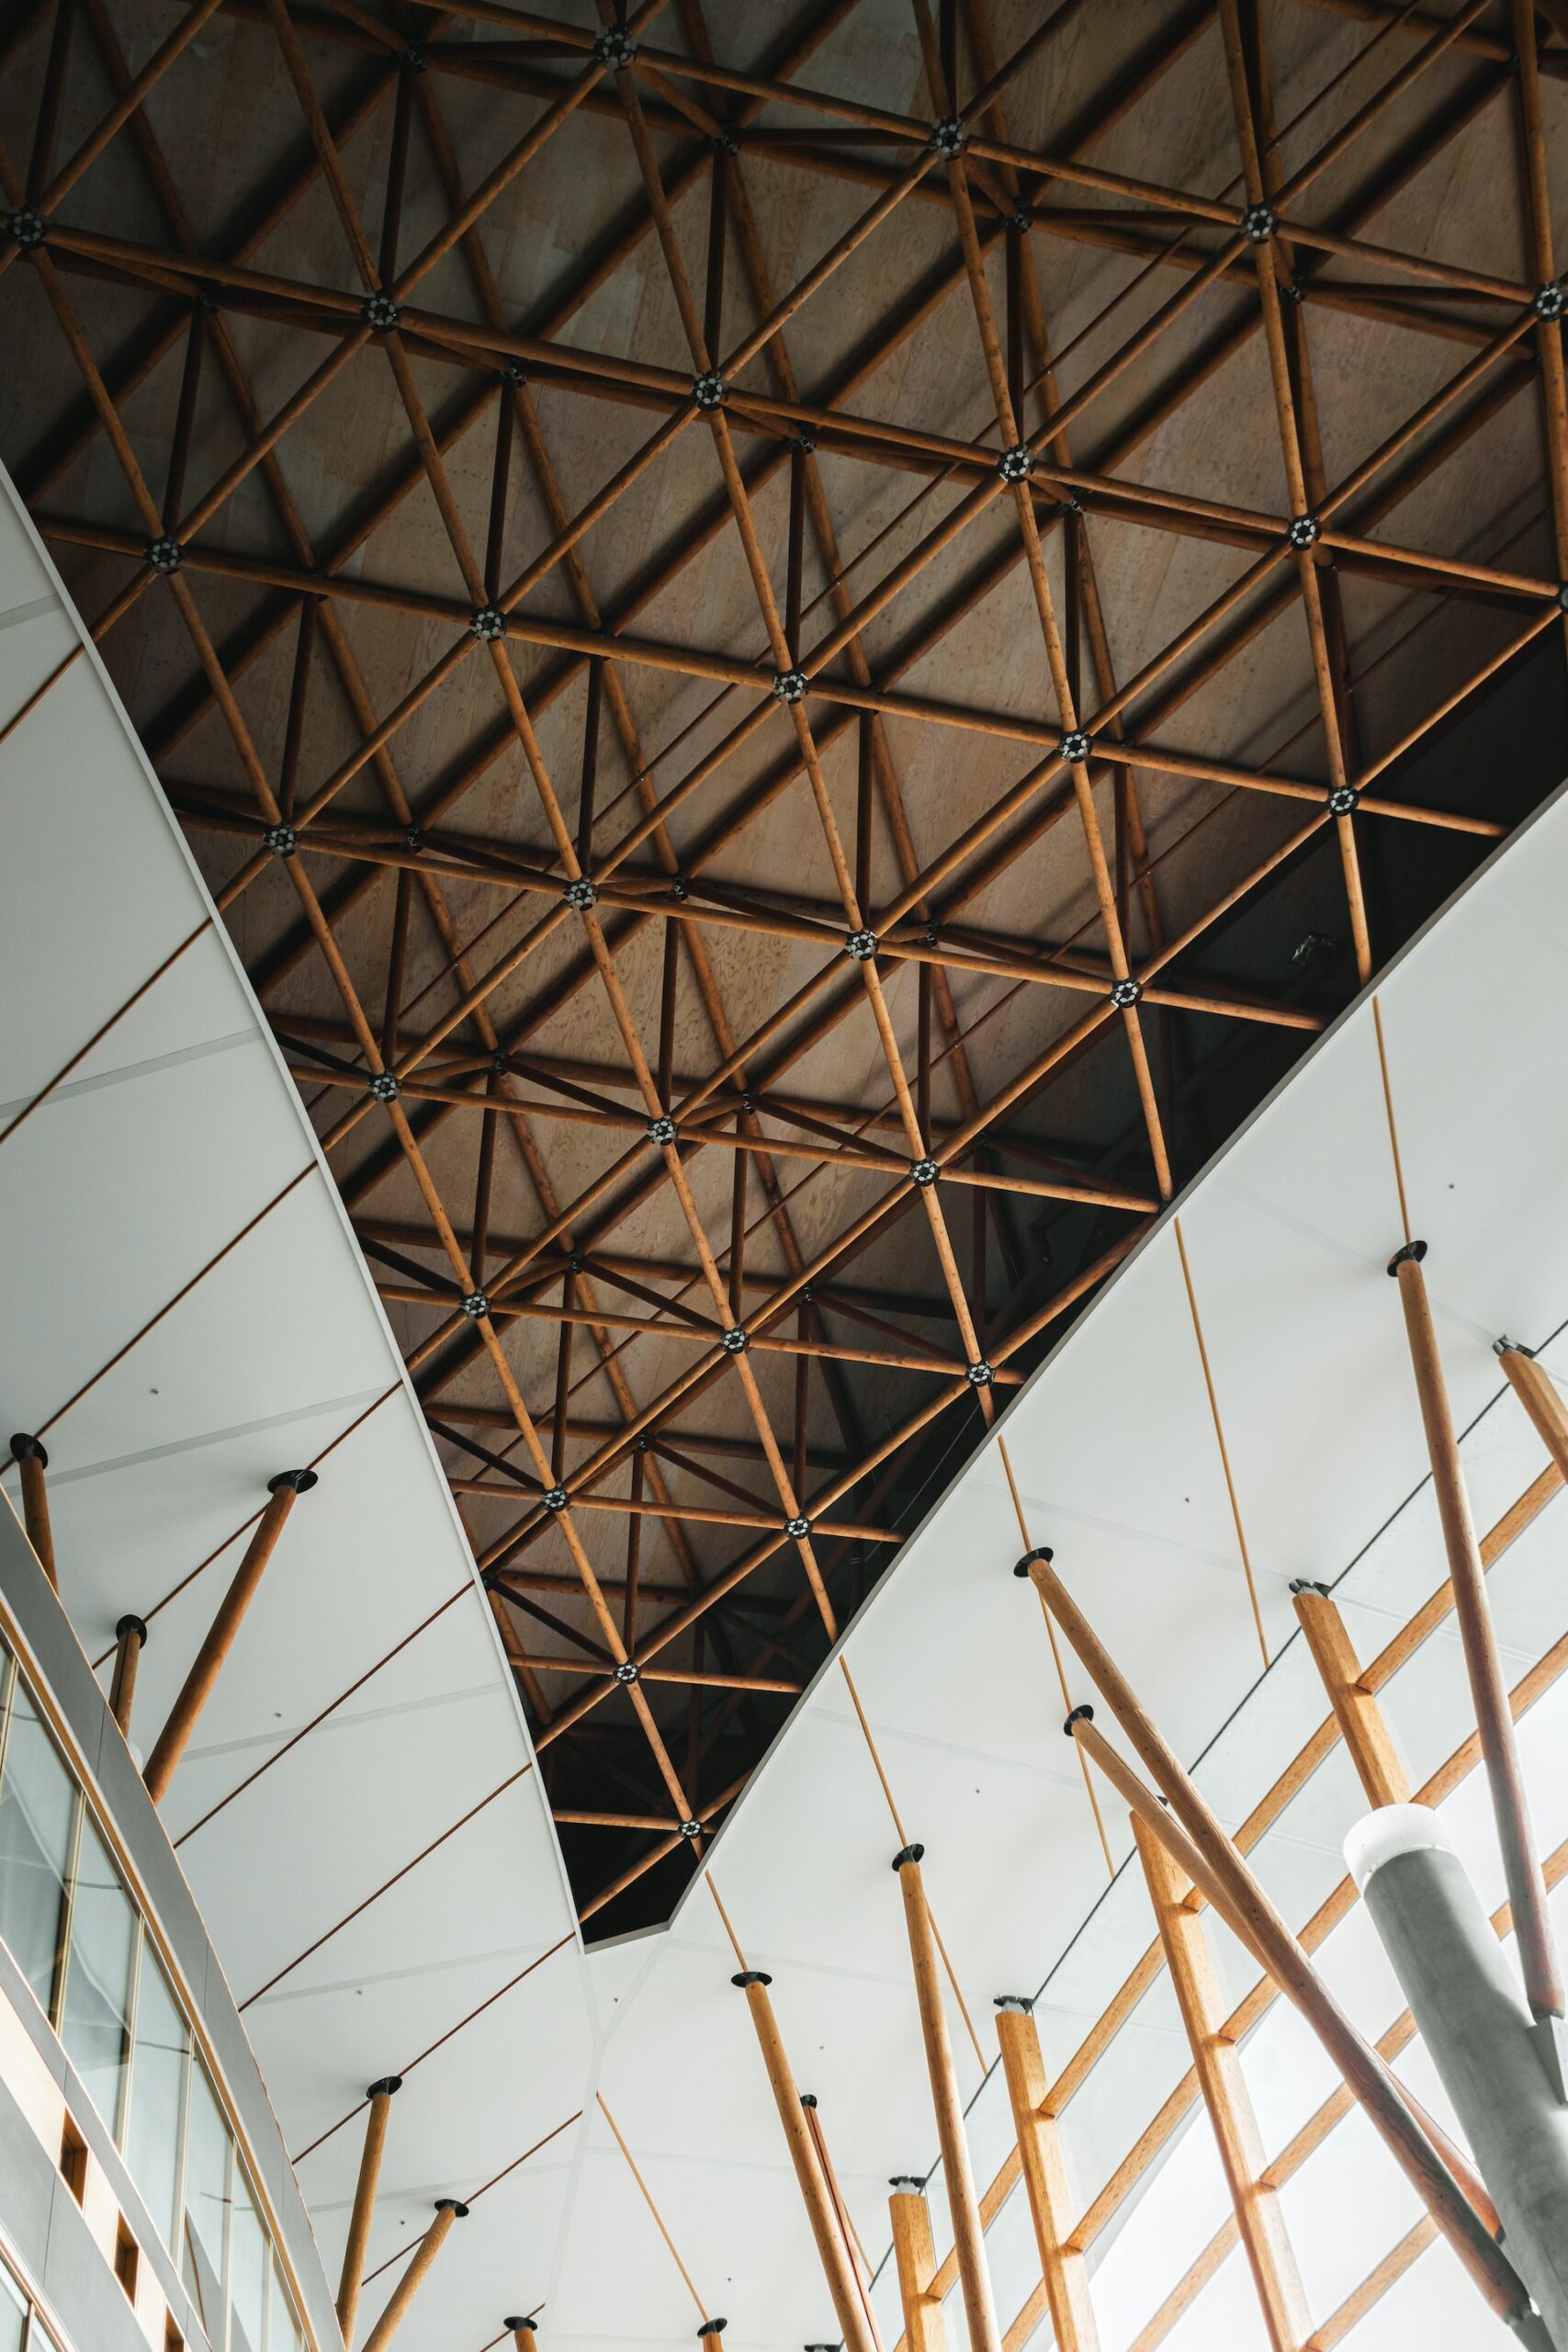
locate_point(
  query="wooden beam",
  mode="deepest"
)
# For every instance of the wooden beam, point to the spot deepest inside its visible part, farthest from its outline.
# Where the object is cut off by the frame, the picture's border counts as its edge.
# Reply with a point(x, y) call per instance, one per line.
point(351, 2278)
point(1541, 1401)
point(33, 1461)
point(1489, 1691)
point(832, 2248)
point(915, 2257)
point(1259, 2220)
point(1062, 2267)
point(130, 1639)
point(1361, 1723)
point(447, 2210)
point(964, 2205)
point(284, 1492)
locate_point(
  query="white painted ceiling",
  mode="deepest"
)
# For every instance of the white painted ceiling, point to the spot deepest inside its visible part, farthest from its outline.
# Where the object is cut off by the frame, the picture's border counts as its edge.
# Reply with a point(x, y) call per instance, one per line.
point(171, 1138)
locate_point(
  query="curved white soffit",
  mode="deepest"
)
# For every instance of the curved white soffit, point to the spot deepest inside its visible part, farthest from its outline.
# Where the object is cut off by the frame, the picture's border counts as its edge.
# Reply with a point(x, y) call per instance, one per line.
point(1288, 1234)
point(175, 1133)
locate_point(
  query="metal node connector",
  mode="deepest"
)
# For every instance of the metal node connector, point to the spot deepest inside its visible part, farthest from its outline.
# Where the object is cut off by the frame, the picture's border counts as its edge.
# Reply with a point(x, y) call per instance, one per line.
point(708, 389)
point(1126, 993)
point(164, 555)
point(790, 685)
point(282, 840)
point(475, 1304)
point(1016, 464)
point(862, 945)
point(1304, 531)
point(922, 1172)
point(980, 1375)
point(487, 625)
point(1257, 224)
point(383, 1087)
point(380, 310)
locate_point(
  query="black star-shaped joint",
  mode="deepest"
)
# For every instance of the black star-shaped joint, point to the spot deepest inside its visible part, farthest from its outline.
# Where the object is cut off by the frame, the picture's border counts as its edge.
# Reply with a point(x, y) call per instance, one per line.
point(948, 138)
point(790, 684)
point(980, 1375)
point(27, 225)
point(411, 60)
point(1016, 464)
point(581, 894)
point(708, 389)
point(1076, 746)
point(1548, 301)
point(661, 1130)
point(627, 1672)
point(554, 1498)
point(613, 50)
point(475, 1304)
point(164, 555)
point(500, 1064)
point(692, 1829)
point(735, 1340)
point(282, 840)
point(922, 1172)
point(1304, 531)
point(680, 887)
point(798, 1528)
point(1125, 993)
point(380, 310)
point(414, 839)
point(487, 625)
point(514, 373)
point(384, 1086)
point(862, 945)
point(1342, 799)
point(1257, 224)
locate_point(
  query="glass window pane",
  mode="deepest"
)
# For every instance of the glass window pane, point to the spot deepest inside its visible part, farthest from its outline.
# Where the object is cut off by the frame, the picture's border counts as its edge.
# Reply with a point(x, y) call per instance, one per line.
point(12, 2315)
point(95, 2023)
point(203, 2253)
point(37, 1805)
point(157, 2087)
point(247, 2265)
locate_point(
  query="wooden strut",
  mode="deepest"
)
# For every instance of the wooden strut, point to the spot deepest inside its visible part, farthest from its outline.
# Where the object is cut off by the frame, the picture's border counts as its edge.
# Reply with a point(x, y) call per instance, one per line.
point(380, 2095)
point(130, 1640)
point(1362, 1724)
point(914, 2256)
point(1540, 1399)
point(33, 1460)
point(1062, 2266)
point(524, 2335)
point(447, 2210)
point(1280, 2297)
point(1278, 1950)
point(833, 2247)
point(283, 1491)
point(1489, 1691)
point(964, 2205)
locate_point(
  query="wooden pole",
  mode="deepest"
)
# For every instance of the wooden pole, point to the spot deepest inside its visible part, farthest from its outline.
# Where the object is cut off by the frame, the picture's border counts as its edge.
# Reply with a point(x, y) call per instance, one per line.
point(832, 2250)
point(1062, 2266)
point(709, 2333)
point(1360, 1719)
point(1489, 1691)
point(1540, 1400)
point(524, 2333)
point(196, 1688)
point(1217, 2062)
point(130, 1640)
point(968, 2232)
point(1266, 1930)
point(447, 2210)
point(380, 2095)
point(914, 2256)
point(30, 1454)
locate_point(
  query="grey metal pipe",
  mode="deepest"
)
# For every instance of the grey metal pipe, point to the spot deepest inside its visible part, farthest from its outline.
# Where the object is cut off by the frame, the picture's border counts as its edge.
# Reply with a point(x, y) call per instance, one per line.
point(1477, 2026)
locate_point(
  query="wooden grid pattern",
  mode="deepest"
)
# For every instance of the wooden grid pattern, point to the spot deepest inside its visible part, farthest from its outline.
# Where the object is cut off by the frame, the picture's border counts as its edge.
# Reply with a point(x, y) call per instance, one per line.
point(583, 1385)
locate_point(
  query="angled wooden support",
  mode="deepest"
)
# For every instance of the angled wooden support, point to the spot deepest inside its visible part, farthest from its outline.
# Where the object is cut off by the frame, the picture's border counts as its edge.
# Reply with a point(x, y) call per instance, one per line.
point(833, 2247)
point(283, 1491)
point(1360, 1719)
point(1536, 1393)
point(32, 1461)
point(964, 2203)
point(523, 2333)
point(1062, 2270)
point(1489, 1691)
point(130, 1640)
point(915, 2258)
point(447, 2210)
point(813, 2114)
point(709, 2333)
point(380, 2095)
point(1250, 1911)
point(1217, 2063)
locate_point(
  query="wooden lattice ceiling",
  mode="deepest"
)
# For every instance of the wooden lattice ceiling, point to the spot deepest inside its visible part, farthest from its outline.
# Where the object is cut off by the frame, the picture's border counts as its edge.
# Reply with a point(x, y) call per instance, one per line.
point(804, 647)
